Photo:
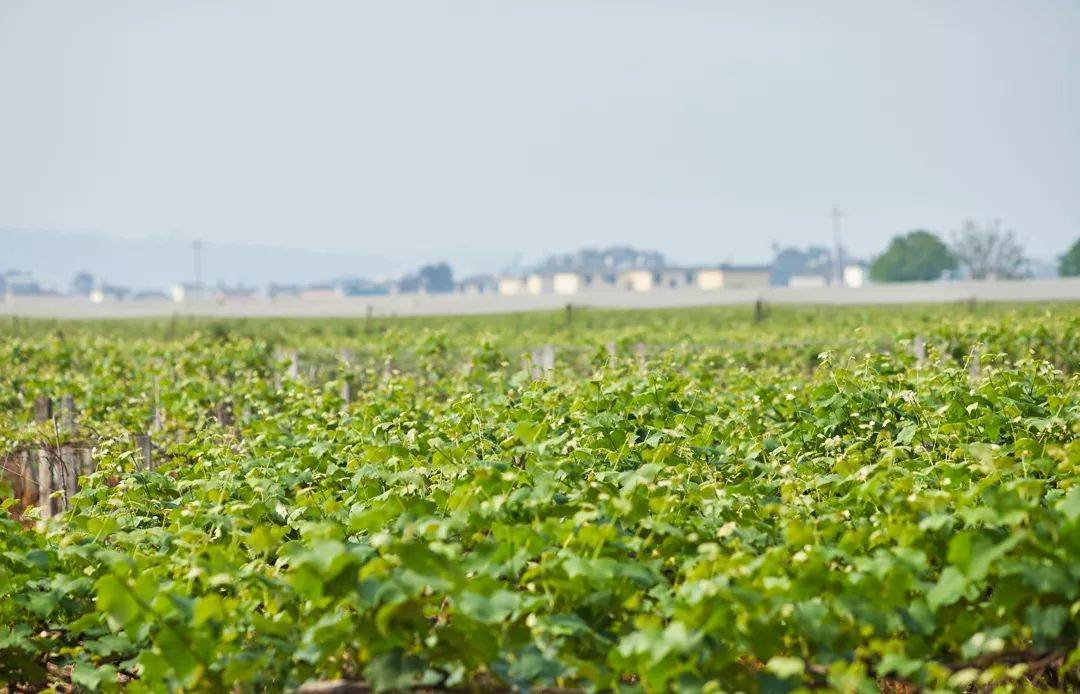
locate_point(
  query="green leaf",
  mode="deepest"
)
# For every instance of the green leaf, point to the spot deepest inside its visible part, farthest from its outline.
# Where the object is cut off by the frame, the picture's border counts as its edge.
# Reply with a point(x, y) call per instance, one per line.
point(117, 602)
point(899, 664)
point(394, 671)
point(86, 675)
point(949, 588)
point(487, 609)
point(1070, 505)
point(177, 653)
point(207, 608)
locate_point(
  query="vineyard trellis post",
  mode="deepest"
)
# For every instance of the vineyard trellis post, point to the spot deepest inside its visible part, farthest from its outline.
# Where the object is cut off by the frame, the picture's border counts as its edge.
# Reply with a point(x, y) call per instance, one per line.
point(43, 413)
point(223, 413)
point(145, 449)
point(69, 475)
point(547, 360)
point(919, 348)
point(67, 415)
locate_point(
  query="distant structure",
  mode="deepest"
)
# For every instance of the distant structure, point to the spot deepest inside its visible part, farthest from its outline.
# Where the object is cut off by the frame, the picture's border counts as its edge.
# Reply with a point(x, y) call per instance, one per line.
point(856, 273)
point(283, 291)
point(592, 260)
point(102, 293)
point(429, 279)
point(817, 267)
point(568, 282)
point(16, 283)
point(589, 269)
point(478, 284)
point(225, 293)
point(187, 291)
point(355, 286)
point(511, 285)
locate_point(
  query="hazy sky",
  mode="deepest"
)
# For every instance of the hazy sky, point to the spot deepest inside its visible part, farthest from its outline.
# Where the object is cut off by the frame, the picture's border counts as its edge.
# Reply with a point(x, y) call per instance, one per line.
point(707, 130)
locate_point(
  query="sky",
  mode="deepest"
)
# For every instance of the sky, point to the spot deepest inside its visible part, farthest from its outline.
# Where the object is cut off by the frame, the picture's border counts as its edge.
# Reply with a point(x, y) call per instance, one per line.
point(481, 130)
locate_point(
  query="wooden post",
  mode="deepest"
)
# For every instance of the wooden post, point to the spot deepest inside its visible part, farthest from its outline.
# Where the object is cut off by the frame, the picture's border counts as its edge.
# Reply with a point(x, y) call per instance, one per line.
point(43, 412)
point(69, 475)
point(975, 364)
point(28, 477)
point(536, 364)
point(547, 360)
point(612, 352)
point(86, 460)
point(294, 364)
point(759, 311)
point(45, 482)
point(919, 348)
point(67, 416)
point(145, 460)
point(367, 317)
point(157, 420)
point(223, 413)
point(347, 390)
point(639, 353)
point(43, 409)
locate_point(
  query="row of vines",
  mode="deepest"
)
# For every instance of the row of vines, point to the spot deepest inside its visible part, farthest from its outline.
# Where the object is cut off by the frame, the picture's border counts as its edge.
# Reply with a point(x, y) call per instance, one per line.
point(802, 500)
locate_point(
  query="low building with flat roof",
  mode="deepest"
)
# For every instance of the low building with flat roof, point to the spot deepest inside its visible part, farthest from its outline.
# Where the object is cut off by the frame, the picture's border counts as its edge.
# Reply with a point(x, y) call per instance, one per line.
point(733, 277)
point(511, 285)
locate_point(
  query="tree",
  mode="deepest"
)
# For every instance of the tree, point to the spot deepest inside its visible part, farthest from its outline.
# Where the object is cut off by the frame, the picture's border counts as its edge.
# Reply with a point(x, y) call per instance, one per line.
point(918, 256)
point(83, 284)
point(792, 261)
point(1069, 264)
point(437, 278)
point(987, 252)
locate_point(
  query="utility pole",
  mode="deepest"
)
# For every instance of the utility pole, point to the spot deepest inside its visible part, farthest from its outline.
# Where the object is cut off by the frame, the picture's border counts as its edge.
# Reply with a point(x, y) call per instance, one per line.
point(838, 253)
point(196, 246)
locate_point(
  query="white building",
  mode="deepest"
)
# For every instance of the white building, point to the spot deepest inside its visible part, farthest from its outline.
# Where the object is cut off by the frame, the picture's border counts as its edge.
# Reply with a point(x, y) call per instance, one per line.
point(808, 281)
point(855, 275)
point(675, 278)
point(636, 280)
point(190, 292)
point(567, 282)
point(734, 277)
point(540, 283)
point(510, 285)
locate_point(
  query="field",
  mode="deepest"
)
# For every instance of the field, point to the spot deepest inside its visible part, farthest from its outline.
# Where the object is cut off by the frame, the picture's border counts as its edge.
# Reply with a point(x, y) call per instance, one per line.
point(852, 499)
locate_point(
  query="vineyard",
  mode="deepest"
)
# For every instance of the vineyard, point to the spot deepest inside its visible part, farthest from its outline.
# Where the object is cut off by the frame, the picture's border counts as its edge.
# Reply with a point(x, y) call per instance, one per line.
point(721, 499)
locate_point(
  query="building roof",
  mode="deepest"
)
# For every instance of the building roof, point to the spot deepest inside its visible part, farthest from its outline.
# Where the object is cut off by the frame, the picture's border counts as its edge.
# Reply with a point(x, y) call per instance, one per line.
point(728, 267)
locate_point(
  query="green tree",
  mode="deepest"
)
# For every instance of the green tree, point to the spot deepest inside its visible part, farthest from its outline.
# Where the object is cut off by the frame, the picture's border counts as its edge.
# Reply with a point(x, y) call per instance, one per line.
point(913, 257)
point(1069, 264)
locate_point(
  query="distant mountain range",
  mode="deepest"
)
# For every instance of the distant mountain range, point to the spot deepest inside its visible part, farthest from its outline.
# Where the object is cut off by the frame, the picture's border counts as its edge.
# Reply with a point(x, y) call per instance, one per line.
point(55, 257)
